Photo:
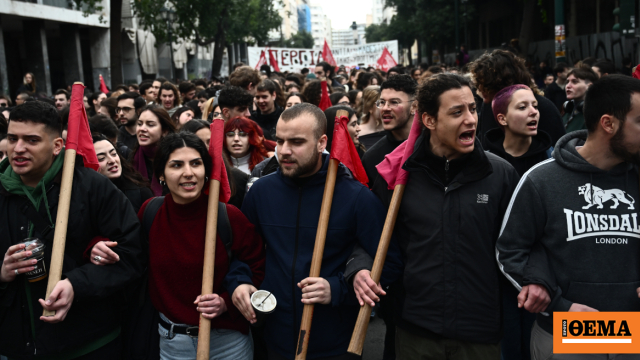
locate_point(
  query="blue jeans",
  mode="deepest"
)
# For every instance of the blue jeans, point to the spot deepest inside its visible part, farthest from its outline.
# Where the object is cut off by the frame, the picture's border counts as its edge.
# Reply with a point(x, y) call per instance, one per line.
point(225, 344)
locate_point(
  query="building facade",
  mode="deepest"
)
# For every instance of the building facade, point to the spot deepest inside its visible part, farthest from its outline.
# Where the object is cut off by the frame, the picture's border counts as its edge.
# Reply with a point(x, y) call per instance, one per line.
point(320, 26)
point(54, 41)
point(382, 14)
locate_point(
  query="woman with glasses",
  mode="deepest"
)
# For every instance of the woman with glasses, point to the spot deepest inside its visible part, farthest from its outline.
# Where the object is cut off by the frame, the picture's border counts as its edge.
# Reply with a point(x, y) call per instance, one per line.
point(371, 129)
point(244, 145)
point(339, 98)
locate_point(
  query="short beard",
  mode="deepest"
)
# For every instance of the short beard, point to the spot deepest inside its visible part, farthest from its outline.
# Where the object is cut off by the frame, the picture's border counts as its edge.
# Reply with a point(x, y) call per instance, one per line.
point(618, 148)
point(403, 123)
point(302, 169)
point(131, 122)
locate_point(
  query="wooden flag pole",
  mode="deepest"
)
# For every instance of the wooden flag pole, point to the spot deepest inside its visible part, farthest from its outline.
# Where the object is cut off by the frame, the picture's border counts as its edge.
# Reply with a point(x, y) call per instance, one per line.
point(62, 220)
point(204, 333)
point(318, 250)
point(360, 330)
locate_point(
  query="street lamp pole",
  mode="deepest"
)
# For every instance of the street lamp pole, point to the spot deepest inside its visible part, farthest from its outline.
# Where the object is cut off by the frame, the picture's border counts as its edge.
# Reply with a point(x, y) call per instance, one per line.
point(354, 27)
point(168, 15)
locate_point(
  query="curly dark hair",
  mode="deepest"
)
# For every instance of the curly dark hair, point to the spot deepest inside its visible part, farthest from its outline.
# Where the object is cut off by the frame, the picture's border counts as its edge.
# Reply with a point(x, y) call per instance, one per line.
point(312, 91)
point(430, 90)
point(403, 83)
point(495, 71)
point(232, 96)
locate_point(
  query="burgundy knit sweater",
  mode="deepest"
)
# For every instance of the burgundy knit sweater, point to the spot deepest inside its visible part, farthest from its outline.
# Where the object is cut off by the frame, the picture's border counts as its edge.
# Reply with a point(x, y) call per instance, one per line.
point(176, 260)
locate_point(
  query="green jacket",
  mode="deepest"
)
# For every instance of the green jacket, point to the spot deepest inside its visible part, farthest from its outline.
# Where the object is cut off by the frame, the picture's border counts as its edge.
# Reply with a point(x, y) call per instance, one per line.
point(573, 118)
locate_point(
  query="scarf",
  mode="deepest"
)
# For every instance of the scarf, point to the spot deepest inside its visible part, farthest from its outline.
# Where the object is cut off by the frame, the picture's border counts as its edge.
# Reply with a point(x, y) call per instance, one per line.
point(139, 163)
point(14, 185)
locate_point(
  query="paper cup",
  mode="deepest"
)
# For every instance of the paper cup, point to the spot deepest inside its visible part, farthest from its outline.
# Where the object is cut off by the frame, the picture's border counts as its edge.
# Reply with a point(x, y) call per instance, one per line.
point(263, 307)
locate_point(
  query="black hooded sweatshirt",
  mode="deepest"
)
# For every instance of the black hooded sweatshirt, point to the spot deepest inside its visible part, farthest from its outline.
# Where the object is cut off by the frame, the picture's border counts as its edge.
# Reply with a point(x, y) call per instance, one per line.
point(538, 150)
point(586, 219)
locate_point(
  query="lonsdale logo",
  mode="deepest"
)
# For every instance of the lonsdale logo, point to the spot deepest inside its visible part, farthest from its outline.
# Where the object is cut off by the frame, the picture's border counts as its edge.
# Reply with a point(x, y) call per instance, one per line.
point(596, 333)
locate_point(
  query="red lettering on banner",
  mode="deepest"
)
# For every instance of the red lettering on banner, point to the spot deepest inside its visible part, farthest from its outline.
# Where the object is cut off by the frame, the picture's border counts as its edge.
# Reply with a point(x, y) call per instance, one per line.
point(300, 57)
point(293, 56)
point(285, 56)
point(312, 63)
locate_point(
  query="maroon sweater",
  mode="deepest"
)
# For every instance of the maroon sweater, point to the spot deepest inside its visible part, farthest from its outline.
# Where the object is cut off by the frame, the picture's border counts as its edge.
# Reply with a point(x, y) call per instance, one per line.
point(176, 260)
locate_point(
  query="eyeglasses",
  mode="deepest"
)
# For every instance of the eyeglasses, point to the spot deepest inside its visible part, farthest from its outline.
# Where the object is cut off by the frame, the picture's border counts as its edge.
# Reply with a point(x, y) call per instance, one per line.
point(392, 103)
point(239, 133)
point(216, 114)
point(344, 103)
point(4, 104)
point(123, 110)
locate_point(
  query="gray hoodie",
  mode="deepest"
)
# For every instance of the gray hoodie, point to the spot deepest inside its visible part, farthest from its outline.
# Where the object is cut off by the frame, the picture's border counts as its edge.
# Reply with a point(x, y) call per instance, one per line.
point(585, 220)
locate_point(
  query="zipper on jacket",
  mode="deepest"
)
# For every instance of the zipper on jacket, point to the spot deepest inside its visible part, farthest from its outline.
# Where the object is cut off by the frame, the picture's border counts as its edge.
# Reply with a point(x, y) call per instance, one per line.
point(446, 172)
point(293, 273)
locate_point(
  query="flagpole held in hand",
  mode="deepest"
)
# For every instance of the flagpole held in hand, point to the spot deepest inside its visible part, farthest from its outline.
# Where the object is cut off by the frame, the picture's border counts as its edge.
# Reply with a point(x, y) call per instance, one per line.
point(204, 333)
point(79, 141)
point(360, 330)
point(219, 191)
point(318, 250)
point(396, 178)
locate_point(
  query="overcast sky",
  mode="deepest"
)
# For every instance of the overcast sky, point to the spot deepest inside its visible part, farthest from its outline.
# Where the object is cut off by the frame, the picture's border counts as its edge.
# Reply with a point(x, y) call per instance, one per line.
point(343, 12)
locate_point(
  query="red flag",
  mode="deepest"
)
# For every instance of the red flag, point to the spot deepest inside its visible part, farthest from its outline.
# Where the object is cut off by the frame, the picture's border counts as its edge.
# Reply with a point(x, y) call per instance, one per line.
point(261, 61)
point(325, 101)
point(78, 133)
point(344, 150)
point(103, 86)
point(386, 61)
point(273, 62)
point(327, 55)
point(636, 74)
point(218, 171)
point(391, 167)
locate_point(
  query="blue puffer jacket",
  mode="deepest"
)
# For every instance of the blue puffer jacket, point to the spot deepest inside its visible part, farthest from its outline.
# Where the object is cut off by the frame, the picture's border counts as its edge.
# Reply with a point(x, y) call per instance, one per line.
point(287, 217)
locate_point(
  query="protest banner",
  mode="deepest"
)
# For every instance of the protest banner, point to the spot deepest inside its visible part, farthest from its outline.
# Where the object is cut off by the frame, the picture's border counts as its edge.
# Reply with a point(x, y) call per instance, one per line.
point(290, 59)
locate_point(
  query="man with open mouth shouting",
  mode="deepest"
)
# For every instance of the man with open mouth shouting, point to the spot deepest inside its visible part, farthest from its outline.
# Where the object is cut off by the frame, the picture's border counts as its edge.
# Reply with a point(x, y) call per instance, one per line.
point(448, 221)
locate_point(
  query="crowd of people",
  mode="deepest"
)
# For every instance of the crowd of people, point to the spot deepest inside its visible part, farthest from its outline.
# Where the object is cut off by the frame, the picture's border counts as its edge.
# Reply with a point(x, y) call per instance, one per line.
point(503, 221)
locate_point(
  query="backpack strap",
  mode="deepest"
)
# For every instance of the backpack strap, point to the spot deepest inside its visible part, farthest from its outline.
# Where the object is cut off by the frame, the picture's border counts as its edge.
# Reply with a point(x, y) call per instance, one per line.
point(224, 228)
point(150, 214)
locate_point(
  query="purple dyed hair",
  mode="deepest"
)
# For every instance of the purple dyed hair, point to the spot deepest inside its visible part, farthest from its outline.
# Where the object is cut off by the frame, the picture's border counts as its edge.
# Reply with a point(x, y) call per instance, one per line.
point(501, 101)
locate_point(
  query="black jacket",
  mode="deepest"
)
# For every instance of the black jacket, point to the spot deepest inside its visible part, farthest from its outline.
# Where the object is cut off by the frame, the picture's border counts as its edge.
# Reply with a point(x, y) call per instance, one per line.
point(447, 234)
point(538, 150)
point(556, 94)
point(550, 120)
point(137, 195)
point(97, 208)
point(376, 154)
point(268, 122)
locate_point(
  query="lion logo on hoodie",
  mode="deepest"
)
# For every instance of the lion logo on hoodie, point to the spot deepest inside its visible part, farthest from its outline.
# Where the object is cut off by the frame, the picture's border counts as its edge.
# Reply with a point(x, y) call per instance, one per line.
point(594, 195)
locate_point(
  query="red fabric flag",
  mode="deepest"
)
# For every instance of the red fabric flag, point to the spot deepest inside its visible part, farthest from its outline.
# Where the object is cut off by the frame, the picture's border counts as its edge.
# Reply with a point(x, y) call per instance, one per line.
point(218, 171)
point(273, 62)
point(386, 61)
point(103, 86)
point(344, 150)
point(636, 74)
point(325, 101)
point(261, 61)
point(327, 55)
point(391, 167)
point(78, 133)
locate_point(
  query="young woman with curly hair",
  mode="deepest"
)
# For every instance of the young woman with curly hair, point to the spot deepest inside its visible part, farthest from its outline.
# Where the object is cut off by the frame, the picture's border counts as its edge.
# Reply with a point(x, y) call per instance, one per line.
point(244, 145)
point(499, 69)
